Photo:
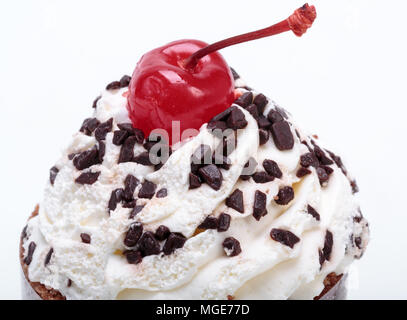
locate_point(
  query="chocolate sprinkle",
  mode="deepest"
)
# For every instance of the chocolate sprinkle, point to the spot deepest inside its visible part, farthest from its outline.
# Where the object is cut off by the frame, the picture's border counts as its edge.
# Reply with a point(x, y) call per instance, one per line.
point(285, 237)
point(355, 188)
point(48, 256)
point(89, 125)
point(309, 159)
point(148, 244)
point(143, 159)
point(322, 175)
point(125, 81)
point(174, 241)
point(231, 247)
point(325, 253)
point(235, 201)
point(282, 136)
point(263, 122)
point(31, 249)
point(113, 85)
point(259, 205)
point(126, 152)
point(223, 115)
point(101, 151)
point(162, 233)
point(313, 213)
point(115, 197)
point(236, 120)
point(94, 104)
point(253, 110)
point(302, 172)
point(245, 99)
point(135, 211)
point(129, 204)
point(263, 136)
point(85, 238)
point(130, 184)
point(147, 190)
point(209, 223)
point(133, 256)
point(194, 181)
point(223, 222)
point(262, 177)
point(133, 234)
point(285, 195)
point(212, 176)
point(69, 283)
point(323, 159)
point(88, 177)
point(162, 193)
point(234, 74)
point(53, 174)
point(260, 101)
point(119, 136)
point(102, 129)
point(272, 168)
point(86, 159)
point(274, 116)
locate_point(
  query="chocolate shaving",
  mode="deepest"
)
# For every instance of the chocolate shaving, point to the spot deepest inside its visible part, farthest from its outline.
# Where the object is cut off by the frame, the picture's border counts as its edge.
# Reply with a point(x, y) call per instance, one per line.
point(53, 172)
point(88, 177)
point(113, 85)
point(147, 190)
point(194, 181)
point(212, 176)
point(48, 256)
point(235, 201)
point(313, 213)
point(174, 241)
point(232, 247)
point(94, 104)
point(86, 159)
point(261, 102)
point(85, 238)
point(209, 223)
point(325, 253)
point(162, 233)
point(135, 211)
point(102, 129)
point(130, 184)
point(127, 150)
point(245, 99)
point(236, 120)
point(133, 234)
point(223, 222)
point(116, 196)
point(125, 81)
point(284, 196)
point(89, 125)
point(148, 244)
point(282, 136)
point(285, 237)
point(162, 193)
point(272, 168)
point(259, 205)
point(262, 177)
point(31, 249)
point(133, 256)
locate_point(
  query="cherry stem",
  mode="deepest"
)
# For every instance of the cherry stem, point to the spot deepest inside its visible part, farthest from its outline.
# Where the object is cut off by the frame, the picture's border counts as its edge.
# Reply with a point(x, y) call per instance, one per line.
point(298, 22)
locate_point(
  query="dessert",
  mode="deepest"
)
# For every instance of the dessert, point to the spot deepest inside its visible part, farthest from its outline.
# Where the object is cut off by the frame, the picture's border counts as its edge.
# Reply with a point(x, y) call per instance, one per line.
point(245, 205)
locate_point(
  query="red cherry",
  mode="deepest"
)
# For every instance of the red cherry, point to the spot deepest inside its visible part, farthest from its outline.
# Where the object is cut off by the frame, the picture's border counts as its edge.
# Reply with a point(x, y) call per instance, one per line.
point(190, 82)
point(162, 90)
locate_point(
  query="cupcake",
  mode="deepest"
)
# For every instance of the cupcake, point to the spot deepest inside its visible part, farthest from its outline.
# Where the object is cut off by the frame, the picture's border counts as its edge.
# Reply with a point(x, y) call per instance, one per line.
point(245, 205)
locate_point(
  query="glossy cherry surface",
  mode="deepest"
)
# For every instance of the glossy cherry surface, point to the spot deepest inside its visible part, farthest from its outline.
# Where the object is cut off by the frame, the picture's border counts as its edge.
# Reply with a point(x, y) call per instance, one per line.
point(163, 90)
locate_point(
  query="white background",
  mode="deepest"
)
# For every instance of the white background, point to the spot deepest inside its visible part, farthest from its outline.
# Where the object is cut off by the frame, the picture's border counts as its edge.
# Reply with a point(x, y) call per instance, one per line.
point(344, 80)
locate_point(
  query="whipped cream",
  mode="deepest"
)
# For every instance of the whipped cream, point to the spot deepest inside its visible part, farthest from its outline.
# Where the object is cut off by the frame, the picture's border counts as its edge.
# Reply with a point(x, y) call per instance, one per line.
point(265, 269)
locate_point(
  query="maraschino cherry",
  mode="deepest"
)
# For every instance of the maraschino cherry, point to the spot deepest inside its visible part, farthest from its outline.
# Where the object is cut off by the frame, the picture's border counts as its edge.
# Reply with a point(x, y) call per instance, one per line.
point(190, 82)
